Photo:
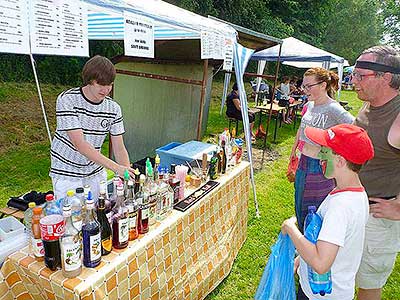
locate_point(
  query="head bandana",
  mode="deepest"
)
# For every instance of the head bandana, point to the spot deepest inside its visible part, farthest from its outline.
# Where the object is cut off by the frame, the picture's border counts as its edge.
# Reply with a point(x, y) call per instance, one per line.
point(370, 65)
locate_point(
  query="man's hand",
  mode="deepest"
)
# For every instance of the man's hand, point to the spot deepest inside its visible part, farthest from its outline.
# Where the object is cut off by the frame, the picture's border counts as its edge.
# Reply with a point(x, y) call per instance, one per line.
point(121, 171)
point(287, 224)
point(388, 209)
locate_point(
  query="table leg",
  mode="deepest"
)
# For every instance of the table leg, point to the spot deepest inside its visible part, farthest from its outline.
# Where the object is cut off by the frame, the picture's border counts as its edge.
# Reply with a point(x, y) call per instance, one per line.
point(276, 126)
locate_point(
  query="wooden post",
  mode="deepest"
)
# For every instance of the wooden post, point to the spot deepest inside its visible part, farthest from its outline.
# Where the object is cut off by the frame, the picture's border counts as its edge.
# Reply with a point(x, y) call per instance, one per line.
point(202, 96)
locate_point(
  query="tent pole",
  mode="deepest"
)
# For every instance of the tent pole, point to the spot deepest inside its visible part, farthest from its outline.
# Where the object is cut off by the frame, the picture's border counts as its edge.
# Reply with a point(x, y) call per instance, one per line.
point(273, 96)
point(40, 97)
point(203, 95)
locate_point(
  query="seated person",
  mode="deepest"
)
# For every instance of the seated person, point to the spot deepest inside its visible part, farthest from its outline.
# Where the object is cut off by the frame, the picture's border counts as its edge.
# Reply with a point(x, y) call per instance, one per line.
point(233, 108)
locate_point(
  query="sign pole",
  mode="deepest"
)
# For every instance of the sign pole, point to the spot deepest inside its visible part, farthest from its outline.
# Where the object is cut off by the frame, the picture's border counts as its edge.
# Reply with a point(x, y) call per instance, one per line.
point(40, 97)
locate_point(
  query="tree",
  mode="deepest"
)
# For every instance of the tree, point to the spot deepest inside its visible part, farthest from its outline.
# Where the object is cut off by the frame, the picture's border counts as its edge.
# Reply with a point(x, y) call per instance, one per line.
point(391, 16)
point(353, 26)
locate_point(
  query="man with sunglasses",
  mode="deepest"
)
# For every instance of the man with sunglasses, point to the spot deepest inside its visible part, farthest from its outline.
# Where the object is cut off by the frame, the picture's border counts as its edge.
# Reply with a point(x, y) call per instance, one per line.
point(376, 80)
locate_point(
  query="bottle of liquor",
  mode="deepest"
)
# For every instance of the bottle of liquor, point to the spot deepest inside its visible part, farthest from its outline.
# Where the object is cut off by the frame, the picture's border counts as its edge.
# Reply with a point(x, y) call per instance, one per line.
point(151, 187)
point(132, 206)
point(91, 236)
point(166, 197)
point(223, 158)
point(113, 197)
point(76, 209)
point(175, 183)
point(137, 179)
point(36, 240)
point(105, 228)
point(143, 203)
point(213, 170)
point(71, 253)
point(79, 192)
point(157, 162)
point(107, 204)
point(126, 180)
point(120, 219)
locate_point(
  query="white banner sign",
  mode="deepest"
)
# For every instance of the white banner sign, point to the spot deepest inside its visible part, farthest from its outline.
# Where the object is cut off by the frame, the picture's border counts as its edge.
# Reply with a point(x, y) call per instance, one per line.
point(228, 54)
point(207, 44)
point(14, 28)
point(59, 27)
point(138, 35)
point(219, 46)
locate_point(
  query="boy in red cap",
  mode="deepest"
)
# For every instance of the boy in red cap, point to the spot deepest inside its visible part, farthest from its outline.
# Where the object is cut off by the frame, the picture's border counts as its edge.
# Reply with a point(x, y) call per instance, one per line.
point(344, 212)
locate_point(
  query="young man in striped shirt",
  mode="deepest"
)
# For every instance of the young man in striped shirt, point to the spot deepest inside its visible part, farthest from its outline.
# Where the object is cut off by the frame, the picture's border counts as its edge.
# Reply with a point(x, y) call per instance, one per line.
point(85, 115)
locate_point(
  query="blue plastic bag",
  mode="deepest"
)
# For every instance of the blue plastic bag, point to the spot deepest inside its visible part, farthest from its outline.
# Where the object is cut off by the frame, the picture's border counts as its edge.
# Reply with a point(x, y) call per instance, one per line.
point(277, 281)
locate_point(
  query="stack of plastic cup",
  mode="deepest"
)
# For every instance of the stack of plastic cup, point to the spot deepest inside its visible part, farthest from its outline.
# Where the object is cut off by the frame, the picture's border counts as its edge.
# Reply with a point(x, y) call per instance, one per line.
point(181, 172)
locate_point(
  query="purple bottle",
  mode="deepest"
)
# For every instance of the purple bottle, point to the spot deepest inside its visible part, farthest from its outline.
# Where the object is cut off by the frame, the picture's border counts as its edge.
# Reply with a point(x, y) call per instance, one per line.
point(91, 236)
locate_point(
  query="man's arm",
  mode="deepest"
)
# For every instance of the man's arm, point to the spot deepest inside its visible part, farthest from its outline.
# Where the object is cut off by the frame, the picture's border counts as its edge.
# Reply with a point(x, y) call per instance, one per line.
point(394, 133)
point(319, 256)
point(119, 150)
point(236, 102)
point(389, 209)
point(86, 149)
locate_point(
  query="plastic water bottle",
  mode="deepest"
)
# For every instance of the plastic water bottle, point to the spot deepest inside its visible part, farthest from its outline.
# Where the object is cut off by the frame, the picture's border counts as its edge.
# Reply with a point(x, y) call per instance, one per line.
point(28, 220)
point(319, 283)
point(52, 207)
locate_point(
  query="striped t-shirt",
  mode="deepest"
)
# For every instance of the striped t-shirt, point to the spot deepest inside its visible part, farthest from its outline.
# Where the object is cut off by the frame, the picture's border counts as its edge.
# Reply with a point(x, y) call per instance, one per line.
point(75, 111)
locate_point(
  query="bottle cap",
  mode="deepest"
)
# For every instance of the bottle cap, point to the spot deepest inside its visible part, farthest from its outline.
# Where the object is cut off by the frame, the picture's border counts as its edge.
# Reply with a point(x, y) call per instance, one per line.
point(126, 174)
point(70, 193)
point(79, 190)
point(157, 159)
point(142, 178)
point(130, 183)
point(312, 208)
point(31, 204)
point(37, 210)
point(49, 197)
point(67, 210)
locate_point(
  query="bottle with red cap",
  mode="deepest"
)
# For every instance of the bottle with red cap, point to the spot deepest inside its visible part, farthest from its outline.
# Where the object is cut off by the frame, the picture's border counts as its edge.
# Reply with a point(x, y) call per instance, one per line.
point(51, 207)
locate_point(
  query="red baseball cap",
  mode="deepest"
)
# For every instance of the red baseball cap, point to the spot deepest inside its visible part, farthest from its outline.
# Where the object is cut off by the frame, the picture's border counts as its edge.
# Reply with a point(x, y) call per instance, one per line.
point(350, 141)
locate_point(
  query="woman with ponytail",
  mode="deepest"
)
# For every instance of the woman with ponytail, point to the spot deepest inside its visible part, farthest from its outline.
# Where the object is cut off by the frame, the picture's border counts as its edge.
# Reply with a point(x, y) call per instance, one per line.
point(321, 111)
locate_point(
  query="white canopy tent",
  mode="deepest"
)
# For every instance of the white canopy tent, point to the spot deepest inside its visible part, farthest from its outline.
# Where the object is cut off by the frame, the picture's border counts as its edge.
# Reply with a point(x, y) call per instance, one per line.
point(299, 54)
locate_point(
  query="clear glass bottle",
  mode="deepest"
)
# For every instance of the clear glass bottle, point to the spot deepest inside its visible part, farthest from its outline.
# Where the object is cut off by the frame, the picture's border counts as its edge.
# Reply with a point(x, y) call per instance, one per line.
point(132, 206)
point(79, 193)
point(76, 209)
point(91, 236)
point(105, 228)
point(120, 219)
point(152, 190)
point(142, 199)
point(166, 197)
point(70, 242)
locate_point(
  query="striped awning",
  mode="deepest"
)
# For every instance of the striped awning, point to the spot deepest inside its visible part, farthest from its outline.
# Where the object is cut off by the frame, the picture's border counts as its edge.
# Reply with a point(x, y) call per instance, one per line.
point(110, 26)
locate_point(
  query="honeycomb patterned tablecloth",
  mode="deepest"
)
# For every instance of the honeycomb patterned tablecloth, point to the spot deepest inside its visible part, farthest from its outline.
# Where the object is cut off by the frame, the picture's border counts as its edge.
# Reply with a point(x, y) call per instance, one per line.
point(184, 257)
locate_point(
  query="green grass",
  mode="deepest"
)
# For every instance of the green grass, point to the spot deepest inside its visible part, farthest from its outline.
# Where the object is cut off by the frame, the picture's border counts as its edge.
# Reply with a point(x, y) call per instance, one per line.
point(25, 162)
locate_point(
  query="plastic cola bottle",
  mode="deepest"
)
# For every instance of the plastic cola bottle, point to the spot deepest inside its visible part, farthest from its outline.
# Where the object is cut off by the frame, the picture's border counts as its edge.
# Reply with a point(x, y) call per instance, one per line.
point(319, 283)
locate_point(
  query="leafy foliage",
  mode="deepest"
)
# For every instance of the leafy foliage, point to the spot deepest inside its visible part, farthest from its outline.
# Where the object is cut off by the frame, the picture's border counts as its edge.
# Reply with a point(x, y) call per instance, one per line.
point(391, 16)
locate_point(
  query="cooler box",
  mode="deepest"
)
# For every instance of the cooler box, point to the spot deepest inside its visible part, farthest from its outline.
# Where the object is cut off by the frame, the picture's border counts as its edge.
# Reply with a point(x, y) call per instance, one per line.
point(10, 227)
point(179, 154)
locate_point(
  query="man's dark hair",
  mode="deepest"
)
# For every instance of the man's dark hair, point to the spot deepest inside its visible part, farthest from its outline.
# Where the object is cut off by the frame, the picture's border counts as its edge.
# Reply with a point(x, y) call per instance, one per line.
point(235, 87)
point(99, 69)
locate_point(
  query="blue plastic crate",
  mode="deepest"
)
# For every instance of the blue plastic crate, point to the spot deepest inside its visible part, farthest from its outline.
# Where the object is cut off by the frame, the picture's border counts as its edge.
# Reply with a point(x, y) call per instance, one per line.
point(178, 153)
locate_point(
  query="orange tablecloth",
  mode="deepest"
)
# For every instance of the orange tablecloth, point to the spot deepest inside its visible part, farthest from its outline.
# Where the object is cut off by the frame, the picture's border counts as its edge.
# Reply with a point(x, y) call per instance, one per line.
point(184, 257)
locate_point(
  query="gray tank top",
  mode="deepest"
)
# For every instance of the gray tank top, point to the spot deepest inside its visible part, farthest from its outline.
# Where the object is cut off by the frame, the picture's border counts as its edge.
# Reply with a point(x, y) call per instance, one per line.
point(323, 116)
point(381, 175)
